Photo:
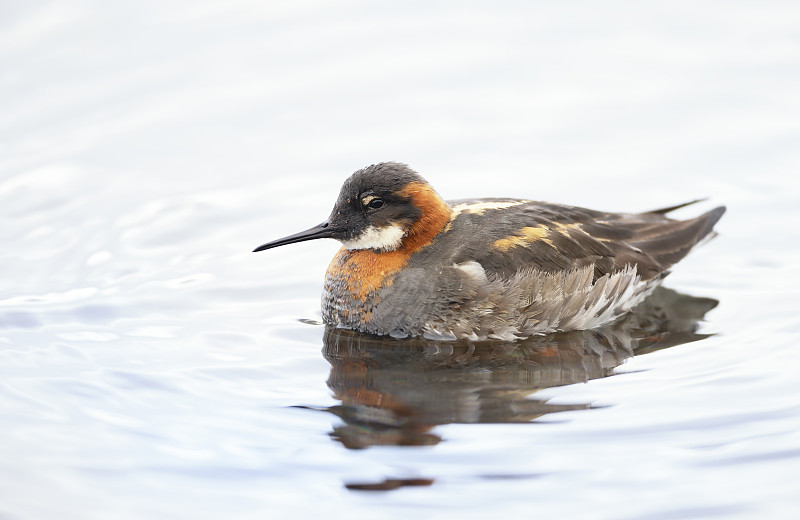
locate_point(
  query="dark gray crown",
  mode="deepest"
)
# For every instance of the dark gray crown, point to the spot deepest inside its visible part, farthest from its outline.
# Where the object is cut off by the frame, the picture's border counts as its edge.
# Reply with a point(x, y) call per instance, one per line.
point(380, 179)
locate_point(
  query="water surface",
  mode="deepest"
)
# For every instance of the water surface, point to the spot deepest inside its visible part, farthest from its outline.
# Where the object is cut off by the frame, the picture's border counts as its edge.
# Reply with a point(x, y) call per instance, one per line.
point(152, 367)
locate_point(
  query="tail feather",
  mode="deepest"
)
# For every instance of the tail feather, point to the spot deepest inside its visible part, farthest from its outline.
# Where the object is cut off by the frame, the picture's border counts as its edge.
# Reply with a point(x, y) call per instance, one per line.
point(670, 209)
point(672, 240)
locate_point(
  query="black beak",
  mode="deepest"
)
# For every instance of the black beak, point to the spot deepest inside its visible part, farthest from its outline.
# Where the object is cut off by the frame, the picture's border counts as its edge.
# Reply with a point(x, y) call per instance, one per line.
point(321, 231)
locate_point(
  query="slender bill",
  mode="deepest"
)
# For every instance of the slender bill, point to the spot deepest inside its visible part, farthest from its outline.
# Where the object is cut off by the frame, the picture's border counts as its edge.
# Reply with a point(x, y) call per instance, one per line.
point(321, 231)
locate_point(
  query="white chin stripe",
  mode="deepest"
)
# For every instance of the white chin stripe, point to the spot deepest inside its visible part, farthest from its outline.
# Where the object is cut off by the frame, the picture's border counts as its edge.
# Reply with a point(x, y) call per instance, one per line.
point(386, 238)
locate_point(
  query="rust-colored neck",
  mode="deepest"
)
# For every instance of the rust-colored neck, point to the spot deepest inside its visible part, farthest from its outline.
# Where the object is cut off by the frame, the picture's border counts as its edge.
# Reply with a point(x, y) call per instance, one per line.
point(435, 215)
point(362, 271)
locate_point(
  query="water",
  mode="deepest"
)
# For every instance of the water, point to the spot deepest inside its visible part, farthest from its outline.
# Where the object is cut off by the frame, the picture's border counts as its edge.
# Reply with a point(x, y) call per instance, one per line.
point(152, 367)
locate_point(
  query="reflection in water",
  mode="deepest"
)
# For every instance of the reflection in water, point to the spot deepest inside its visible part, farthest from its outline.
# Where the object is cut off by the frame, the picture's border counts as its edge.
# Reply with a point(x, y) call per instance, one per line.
point(394, 392)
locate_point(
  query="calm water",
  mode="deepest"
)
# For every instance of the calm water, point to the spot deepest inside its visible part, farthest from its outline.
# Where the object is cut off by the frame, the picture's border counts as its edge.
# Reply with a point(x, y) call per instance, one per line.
point(152, 367)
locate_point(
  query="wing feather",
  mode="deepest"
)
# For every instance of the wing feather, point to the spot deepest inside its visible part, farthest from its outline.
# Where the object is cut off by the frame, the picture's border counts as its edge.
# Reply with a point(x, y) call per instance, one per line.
point(529, 235)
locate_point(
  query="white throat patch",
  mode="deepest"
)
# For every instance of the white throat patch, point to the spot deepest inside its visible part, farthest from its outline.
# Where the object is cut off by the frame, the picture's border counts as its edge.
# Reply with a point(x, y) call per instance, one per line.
point(386, 238)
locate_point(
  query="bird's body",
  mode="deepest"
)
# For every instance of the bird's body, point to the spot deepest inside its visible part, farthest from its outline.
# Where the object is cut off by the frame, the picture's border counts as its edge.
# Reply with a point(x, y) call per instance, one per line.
point(414, 265)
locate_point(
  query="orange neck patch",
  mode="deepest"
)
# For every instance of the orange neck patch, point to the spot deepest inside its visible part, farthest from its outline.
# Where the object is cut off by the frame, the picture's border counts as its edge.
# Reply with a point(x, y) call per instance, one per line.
point(362, 271)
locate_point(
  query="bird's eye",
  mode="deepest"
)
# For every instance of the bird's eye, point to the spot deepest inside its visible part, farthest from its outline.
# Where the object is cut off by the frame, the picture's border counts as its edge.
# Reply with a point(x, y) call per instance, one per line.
point(376, 203)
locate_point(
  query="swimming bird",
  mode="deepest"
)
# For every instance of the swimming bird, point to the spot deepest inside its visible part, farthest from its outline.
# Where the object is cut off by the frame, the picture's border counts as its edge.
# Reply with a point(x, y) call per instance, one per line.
point(413, 264)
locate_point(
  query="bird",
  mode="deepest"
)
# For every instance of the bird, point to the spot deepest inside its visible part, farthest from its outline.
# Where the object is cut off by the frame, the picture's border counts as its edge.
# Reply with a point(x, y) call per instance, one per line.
point(414, 265)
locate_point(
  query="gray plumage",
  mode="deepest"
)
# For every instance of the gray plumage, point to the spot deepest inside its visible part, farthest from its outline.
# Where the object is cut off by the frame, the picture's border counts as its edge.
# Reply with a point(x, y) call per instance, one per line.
point(415, 265)
point(588, 268)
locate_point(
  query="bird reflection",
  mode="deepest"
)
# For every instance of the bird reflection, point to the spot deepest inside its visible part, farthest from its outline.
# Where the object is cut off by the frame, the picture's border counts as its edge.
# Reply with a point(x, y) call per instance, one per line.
point(395, 392)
